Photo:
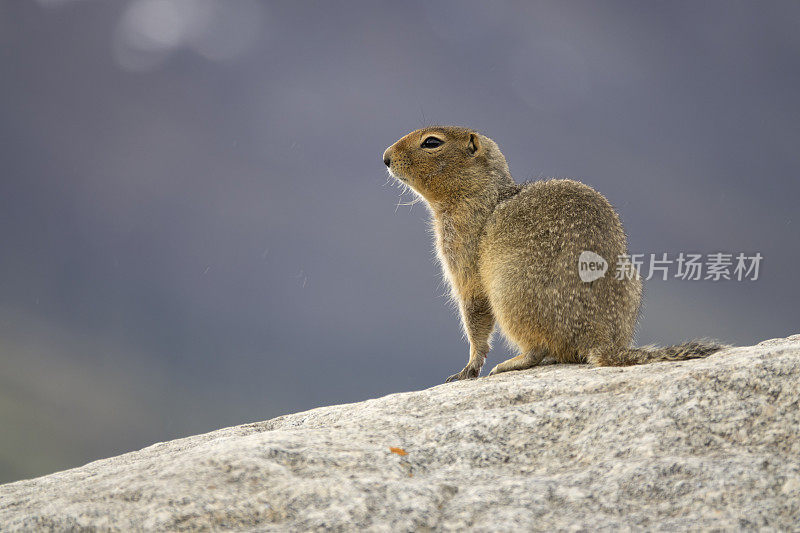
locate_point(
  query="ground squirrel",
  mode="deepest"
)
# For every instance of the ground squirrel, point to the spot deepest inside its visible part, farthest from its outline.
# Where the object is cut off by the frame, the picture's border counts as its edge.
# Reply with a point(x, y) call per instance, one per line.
point(510, 254)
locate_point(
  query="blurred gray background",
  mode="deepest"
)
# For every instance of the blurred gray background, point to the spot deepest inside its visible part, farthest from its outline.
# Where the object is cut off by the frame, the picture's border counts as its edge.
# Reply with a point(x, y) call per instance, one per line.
point(197, 230)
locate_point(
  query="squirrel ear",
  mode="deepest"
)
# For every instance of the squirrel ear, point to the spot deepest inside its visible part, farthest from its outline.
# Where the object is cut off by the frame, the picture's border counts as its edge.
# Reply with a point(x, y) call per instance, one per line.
point(474, 143)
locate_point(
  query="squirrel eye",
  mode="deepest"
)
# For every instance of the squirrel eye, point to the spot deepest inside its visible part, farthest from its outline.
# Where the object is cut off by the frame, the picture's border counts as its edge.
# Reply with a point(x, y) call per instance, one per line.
point(431, 142)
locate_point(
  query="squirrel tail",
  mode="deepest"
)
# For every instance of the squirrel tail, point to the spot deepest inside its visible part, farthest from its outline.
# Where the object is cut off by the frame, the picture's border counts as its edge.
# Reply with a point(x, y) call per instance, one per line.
point(695, 349)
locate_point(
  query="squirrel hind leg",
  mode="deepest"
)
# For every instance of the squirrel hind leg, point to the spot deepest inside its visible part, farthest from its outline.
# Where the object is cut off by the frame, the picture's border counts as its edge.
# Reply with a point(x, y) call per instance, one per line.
point(523, 361)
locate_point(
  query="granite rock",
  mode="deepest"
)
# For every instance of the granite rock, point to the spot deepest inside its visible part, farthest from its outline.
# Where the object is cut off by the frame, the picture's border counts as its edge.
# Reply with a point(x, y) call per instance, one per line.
point(703, 444)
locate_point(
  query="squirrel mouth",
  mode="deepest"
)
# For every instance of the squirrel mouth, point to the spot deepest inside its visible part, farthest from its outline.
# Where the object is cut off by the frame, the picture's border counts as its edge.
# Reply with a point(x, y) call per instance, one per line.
point(397, 176)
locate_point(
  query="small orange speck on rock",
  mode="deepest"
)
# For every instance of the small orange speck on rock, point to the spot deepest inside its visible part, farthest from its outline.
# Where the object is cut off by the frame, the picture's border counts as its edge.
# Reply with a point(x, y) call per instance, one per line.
point(398, 451)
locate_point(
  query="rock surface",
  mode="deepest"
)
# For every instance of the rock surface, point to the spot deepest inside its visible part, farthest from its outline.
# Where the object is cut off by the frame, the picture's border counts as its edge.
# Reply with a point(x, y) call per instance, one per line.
point(704, 444)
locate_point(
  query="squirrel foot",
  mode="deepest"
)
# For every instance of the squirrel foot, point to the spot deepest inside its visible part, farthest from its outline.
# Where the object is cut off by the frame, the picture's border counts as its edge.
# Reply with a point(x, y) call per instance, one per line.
point(523, 361)
point(469, 372)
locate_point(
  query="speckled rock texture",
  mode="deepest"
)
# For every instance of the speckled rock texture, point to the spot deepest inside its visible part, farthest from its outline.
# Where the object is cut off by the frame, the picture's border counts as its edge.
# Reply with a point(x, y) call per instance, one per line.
point(708, 444)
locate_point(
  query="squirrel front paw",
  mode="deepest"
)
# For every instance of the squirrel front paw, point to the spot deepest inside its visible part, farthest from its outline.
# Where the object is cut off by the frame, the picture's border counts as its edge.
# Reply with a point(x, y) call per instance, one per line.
point(469, 372)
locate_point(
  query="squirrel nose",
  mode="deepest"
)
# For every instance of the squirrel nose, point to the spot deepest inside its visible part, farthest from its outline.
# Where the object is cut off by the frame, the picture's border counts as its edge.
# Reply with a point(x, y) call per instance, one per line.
point(387, 158)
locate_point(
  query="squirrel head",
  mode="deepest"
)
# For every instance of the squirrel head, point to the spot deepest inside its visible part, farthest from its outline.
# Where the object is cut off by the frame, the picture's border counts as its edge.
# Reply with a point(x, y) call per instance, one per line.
point(445, 164)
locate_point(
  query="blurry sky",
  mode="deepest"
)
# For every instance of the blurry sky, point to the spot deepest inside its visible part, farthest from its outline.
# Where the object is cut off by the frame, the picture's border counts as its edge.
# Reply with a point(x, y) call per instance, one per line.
point(197, 230)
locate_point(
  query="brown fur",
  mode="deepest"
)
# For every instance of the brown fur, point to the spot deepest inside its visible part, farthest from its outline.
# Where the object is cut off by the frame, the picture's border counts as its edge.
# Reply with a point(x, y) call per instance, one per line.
point(510, 254)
